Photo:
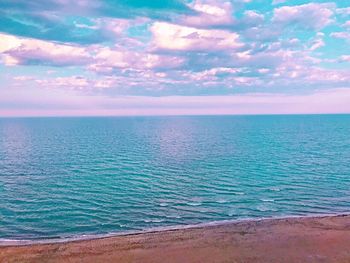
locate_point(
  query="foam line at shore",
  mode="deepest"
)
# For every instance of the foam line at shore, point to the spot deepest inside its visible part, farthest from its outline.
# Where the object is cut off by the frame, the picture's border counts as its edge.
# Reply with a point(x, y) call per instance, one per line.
point(26, 242)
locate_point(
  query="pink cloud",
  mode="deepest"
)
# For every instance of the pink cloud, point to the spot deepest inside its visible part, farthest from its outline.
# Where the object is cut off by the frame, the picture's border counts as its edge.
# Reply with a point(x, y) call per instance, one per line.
point(317, 42)
point(252, 18)
point(341, 35)
point(108, 59)
point(347, 24)
point(343, 11)
point(73, 82)
point(312, 15)
point(345, 58)
point(15, 50)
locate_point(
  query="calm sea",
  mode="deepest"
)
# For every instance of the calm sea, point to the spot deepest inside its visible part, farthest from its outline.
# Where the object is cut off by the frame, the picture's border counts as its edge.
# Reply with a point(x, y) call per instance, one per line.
point(63, 177)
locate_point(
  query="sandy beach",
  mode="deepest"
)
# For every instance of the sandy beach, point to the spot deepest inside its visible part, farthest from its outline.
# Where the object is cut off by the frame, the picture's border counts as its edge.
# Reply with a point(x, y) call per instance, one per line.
point(307, 239)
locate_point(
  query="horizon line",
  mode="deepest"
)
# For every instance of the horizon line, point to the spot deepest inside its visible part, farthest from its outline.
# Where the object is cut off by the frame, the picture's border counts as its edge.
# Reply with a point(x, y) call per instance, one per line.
point(171, 115)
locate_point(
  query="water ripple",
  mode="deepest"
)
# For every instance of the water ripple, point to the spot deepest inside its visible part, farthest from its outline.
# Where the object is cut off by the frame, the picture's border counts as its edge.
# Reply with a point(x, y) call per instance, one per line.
point(73, 176)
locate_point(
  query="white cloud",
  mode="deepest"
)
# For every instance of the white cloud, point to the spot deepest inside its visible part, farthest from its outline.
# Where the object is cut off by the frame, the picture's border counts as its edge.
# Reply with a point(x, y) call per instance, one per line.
point(183, 38)
point(210, 14)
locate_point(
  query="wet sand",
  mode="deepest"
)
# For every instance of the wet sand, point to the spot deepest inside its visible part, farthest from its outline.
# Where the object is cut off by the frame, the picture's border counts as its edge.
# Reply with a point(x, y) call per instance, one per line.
point(308, 239)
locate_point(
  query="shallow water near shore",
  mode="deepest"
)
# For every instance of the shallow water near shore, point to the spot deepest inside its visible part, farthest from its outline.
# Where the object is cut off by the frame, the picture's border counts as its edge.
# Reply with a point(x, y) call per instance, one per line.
point(163, 230)
point(66, 177)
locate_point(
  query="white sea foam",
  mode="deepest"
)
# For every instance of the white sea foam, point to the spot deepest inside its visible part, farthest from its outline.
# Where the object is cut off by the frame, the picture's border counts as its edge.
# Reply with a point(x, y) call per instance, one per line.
point(267, 200)
point(194, 203)
point(221, 201)
point(156, 220)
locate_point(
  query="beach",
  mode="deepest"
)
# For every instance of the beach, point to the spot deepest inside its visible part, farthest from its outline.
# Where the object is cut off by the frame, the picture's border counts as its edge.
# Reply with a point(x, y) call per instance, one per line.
point(304, 239)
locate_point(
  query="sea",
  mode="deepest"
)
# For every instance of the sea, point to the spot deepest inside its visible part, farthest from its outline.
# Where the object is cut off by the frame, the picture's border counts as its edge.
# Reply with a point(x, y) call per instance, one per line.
point(74, 177)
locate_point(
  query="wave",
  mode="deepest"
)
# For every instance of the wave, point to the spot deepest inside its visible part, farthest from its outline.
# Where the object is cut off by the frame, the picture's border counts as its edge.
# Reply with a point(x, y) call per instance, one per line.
point(194, 203)
point(267, 200)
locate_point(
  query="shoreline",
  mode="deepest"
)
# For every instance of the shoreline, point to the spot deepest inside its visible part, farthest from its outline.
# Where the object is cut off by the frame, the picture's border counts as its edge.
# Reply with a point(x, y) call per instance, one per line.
point(321, 238)
point(7, 242)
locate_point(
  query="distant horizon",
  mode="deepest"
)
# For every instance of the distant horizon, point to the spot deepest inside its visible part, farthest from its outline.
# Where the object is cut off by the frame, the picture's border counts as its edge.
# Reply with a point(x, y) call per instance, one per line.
point(171, 115)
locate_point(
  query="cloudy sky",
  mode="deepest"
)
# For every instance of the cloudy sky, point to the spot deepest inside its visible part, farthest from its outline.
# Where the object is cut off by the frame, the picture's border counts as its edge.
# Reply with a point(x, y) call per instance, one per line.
point(136, 57)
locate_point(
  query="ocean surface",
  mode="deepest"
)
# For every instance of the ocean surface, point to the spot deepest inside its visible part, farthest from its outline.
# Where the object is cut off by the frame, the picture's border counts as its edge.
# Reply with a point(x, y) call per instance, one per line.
point(67, 177)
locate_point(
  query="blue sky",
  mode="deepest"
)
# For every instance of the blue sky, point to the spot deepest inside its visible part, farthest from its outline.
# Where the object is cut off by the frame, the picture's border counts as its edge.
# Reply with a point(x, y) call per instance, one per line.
point(93, 57)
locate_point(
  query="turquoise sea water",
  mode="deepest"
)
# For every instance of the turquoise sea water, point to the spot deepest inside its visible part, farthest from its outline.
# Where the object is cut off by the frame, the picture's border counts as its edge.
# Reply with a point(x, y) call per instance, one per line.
point(63, 177)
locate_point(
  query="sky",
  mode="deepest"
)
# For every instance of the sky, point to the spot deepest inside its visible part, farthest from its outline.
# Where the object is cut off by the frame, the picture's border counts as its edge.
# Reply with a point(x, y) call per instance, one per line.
point(169, 57)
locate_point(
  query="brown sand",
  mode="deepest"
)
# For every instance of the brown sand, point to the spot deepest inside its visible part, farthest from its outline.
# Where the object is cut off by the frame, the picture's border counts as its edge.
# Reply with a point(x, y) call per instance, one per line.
point(318, 239)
